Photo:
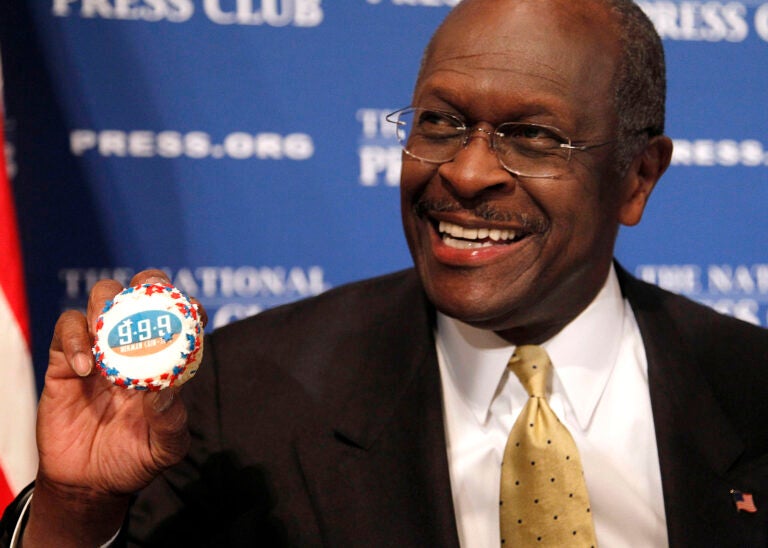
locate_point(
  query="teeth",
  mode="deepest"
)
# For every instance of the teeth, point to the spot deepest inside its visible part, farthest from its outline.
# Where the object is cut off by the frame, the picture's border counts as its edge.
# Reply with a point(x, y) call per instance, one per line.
point(464, 244)
point(456, 231)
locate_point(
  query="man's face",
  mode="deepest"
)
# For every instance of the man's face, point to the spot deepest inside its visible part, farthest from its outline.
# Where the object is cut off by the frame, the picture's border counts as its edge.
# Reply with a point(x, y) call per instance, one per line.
point(544, 62)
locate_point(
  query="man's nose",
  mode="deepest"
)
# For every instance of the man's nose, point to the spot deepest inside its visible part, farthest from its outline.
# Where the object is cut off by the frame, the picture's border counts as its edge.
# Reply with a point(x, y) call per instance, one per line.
point(476, 169)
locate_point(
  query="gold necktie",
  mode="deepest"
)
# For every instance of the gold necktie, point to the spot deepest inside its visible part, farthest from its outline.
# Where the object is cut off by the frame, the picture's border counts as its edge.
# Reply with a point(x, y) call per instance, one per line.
point(544, 500)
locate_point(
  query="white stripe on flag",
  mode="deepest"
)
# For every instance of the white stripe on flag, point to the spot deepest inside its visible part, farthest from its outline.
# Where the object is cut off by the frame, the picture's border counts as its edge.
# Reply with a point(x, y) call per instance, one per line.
point(18, 453)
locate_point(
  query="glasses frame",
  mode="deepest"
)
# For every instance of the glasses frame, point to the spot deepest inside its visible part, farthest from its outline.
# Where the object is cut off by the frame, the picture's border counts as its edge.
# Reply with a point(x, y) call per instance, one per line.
point(568, 144)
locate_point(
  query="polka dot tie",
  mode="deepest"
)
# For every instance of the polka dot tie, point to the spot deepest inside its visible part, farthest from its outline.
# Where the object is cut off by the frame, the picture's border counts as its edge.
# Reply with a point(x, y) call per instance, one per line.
point(544, 500)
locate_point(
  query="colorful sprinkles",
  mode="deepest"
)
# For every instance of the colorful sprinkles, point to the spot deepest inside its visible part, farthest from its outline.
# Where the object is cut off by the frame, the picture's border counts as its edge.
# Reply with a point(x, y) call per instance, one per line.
point(148, 328)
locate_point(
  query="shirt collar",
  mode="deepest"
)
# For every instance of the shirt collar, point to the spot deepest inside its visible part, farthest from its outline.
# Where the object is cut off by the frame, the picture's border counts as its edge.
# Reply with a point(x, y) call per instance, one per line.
point(475, 360)
point(583, 355)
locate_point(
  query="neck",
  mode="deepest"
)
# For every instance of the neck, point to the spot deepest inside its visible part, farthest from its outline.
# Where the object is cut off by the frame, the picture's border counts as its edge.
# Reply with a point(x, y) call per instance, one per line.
point(534, 334)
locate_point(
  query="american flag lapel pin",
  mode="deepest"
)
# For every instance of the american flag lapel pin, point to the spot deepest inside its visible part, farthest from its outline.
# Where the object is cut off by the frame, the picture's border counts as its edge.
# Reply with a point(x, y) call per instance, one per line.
point(743, 501)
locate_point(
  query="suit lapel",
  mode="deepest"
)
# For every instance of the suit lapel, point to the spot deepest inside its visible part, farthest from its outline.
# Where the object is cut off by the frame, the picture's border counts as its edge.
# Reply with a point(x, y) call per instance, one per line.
point(698, 446)
point(378, 469)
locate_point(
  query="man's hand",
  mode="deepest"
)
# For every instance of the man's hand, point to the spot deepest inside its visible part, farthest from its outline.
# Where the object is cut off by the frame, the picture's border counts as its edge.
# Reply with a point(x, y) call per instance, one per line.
point(98, 443)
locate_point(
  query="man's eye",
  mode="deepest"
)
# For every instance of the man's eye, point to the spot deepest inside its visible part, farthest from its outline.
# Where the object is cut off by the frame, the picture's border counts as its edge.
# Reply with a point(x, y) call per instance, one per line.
point(433, 125)
point(434, 119)
point(533, 132)
point(530, 135)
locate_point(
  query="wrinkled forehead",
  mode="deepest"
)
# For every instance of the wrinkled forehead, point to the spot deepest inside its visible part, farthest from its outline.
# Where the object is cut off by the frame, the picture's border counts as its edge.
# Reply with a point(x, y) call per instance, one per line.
point(554, 35)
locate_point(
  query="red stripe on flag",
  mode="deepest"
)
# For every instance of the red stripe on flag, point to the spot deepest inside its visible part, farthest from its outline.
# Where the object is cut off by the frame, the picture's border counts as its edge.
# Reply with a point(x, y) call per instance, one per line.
point(11, 271)
point(6, 495)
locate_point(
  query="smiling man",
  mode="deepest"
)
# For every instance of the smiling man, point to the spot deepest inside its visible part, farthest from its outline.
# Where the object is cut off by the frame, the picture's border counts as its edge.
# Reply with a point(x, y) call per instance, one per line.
point(403, 410)
point(551, 72)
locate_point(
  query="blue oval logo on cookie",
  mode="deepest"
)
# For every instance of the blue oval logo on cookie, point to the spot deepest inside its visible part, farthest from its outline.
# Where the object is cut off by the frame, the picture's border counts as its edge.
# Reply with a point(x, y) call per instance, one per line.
point(144, 333)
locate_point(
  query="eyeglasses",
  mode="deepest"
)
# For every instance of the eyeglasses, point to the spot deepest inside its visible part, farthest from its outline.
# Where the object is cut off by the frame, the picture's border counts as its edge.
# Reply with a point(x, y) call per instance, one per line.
point(525, 150)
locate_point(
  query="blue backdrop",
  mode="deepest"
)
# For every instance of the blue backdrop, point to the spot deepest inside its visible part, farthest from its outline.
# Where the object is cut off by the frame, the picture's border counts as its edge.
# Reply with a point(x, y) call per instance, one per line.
point(240, 144)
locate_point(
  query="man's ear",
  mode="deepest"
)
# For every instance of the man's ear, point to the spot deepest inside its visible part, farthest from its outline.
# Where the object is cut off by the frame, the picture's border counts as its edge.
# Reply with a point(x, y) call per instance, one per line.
point(647, 167)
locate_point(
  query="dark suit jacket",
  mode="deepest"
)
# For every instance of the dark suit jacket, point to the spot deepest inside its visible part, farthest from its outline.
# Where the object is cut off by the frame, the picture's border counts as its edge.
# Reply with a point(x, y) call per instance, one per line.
point(320, 423)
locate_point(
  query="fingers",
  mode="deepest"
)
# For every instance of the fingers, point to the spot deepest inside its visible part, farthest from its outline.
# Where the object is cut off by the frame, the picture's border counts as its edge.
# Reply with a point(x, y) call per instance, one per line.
point(150, 277)
point(168, 433)
point(102, 292)
point(71, 338)
point(202, 314)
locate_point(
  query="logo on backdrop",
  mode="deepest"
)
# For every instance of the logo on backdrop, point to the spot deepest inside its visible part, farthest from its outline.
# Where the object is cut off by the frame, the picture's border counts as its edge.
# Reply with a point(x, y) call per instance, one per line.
point(725, 152)
point(227, 292)
point(735, 289)
point(378, 149)
point(273, 13)
point(193, 144)
point(708, 21)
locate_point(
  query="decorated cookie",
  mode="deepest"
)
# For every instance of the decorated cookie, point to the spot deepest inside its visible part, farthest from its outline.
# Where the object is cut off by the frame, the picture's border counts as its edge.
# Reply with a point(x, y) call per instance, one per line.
point(149, 337)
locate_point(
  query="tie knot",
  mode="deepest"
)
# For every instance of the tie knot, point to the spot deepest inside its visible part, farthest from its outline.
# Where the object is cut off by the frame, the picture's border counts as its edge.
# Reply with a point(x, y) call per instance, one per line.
point(531, 365)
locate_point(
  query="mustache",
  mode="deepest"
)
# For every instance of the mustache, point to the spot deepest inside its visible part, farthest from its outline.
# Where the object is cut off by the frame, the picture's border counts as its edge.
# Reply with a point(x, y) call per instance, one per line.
point(486, 212)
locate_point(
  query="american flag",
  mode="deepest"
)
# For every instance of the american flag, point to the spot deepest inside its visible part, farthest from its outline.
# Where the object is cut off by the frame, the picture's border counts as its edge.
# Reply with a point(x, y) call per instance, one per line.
point(744, 501)
point(18, 398)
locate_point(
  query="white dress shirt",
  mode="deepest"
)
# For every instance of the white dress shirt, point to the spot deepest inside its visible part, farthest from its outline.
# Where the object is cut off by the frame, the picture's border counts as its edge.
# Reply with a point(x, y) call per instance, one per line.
point(599, 390)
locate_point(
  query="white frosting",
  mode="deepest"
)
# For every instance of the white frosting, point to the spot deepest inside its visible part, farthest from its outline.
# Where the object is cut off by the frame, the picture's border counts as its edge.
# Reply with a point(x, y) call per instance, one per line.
point(149, 338)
